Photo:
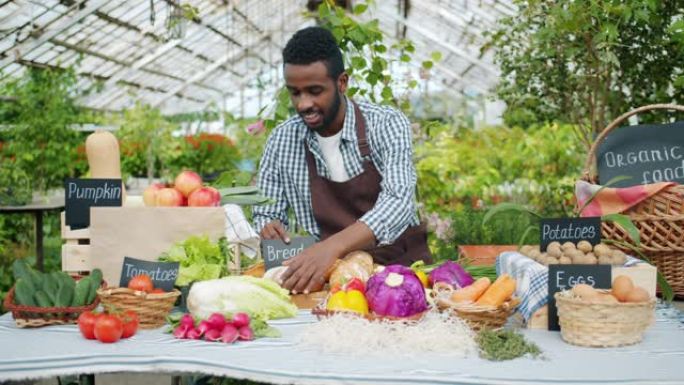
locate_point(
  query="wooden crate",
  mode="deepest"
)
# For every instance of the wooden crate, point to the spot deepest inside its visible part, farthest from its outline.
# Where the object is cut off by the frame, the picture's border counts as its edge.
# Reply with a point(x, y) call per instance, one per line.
point(76, 249)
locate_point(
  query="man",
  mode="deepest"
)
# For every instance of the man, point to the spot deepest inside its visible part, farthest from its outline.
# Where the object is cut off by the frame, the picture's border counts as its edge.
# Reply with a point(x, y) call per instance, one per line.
point(346, 169)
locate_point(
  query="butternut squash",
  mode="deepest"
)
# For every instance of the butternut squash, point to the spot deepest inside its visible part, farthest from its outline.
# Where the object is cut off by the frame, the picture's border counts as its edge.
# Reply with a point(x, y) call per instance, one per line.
point(102, 150)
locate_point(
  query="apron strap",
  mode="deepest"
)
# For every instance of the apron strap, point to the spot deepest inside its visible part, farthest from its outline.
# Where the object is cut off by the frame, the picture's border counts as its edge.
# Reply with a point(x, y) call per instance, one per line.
point(364, 146)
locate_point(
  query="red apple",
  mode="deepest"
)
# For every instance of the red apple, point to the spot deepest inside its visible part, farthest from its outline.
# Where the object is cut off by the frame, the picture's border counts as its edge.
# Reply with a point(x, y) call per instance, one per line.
point(217, 195)
point(169, 197)
point(202, 197)
point(150, 194)
point(187, 181)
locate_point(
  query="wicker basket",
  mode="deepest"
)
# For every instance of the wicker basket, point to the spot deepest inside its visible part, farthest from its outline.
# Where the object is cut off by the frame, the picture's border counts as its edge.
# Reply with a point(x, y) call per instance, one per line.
point(34, 316)
point(602, 324)
point(660, 218)
point(152, 309)
point(480, 317)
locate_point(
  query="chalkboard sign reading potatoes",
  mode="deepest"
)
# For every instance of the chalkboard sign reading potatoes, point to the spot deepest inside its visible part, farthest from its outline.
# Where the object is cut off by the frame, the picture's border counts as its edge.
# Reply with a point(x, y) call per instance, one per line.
point(570, 230)
point(275, 252)
point(163, 274)
point(82, 194)
point(646, 153)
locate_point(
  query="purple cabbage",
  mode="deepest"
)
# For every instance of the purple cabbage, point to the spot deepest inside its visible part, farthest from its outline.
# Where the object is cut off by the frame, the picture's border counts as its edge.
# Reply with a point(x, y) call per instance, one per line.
point(396, 291)
point(451, 273)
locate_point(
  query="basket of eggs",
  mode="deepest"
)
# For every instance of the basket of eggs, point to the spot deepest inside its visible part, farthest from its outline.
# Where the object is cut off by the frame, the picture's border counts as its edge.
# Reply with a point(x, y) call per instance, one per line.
point(605, 318)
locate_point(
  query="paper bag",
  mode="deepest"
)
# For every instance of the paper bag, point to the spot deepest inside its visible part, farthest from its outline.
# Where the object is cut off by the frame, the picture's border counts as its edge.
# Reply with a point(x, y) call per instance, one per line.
point(145, 232)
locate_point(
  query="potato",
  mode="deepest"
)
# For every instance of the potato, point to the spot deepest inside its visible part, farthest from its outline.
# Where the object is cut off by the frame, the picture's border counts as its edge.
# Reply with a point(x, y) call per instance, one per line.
point(585, 246)
point(534, 254)
point(565, 260)
point(604, 260)
point(568, 246)
point(619, 258)
point(555, 252)
point(602, 250)
point(525, 250)
point(591, 259)
point(552, 261)
point(574, 254)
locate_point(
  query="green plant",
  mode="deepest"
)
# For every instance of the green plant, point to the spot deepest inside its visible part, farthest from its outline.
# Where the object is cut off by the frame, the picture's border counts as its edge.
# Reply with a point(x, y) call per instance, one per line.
point(15, 185)
point(206, 154)
point(367, 59)
point(145, 133)
point(587, 62)
point(39, 139)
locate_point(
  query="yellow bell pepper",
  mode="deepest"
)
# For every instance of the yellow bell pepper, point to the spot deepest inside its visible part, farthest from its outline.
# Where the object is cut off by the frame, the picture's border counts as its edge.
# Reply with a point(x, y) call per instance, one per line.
point(423, 277)
point(352, 300)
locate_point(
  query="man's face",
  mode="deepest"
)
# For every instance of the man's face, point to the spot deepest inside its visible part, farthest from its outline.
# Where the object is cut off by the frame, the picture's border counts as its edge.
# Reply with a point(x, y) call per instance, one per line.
point(315, 95)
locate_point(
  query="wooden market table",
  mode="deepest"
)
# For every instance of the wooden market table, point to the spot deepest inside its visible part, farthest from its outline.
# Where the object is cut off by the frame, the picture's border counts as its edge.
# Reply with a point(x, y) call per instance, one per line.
point(39, 205)
point(61, 351)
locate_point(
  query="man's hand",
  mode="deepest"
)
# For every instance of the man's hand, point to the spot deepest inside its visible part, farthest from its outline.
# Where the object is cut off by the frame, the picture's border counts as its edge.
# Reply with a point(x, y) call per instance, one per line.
point(307, 271)
point(275, 230)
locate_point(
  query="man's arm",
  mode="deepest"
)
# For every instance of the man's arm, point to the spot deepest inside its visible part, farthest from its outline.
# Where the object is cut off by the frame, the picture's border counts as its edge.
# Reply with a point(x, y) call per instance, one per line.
point(395, 207)
point(270, 219)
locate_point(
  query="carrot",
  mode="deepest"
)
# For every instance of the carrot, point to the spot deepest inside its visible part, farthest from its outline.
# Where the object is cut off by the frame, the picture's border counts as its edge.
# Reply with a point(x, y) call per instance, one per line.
point(501, 290)
point(472, 292)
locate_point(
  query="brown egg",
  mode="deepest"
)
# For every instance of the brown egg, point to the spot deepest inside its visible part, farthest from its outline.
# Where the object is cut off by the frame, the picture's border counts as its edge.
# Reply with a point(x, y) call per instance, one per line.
point(622, 286)
point(604, 298)
point(584, 291)
point(637, 294)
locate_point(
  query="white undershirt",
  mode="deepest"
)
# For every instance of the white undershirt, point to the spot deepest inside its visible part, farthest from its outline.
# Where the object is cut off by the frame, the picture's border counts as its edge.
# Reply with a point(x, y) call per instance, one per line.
point(330, 147)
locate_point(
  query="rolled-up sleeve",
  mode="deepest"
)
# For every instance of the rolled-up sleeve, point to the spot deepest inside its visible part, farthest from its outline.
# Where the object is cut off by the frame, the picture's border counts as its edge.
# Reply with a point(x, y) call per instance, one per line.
point(395, 208)
point(270, 184)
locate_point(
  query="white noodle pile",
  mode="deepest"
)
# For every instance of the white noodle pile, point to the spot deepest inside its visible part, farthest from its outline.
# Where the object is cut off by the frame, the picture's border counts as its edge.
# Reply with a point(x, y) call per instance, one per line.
point(436, 332)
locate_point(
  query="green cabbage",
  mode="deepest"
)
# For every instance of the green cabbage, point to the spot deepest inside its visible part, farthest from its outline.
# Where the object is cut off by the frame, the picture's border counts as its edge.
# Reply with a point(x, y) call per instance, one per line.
point(261, 298)
point(200, 259)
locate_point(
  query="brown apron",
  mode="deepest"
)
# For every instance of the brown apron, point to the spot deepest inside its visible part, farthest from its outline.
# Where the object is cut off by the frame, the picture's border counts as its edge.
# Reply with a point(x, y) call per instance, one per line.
point(337, 205)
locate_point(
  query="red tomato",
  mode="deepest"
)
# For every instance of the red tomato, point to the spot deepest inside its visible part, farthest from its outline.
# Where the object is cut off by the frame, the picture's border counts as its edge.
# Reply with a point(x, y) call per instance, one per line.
point(108, 328)
point(141, 282)
point(158, 291)
point(130, 323)
point(355, 284)
point(86, 324)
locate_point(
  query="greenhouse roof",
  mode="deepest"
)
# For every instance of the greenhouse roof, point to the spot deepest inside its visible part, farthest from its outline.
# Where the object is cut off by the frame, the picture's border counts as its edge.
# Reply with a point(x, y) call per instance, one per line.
point(228, 50)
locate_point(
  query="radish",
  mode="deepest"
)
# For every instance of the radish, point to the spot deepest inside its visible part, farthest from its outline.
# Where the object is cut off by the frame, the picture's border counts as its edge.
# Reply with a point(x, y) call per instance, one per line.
point(194, 334)
point(181, 331)
point(217, 321)
point(203, 327)
point(240, 320)
point(187, 320)
point(229, 334)
point(246, 333)
point(212, 335)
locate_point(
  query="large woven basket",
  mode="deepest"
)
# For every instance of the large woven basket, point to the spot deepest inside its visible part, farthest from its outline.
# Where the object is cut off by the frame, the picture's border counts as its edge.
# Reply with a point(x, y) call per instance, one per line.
point(34, 316)
point(480, 317)
point(151, 309)
point(660, 218)
point(602, 324)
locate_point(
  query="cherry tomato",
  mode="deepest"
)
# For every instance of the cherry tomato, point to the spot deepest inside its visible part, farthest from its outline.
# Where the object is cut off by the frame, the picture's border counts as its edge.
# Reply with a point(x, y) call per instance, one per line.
point(130, 323)
point(355, 284)
point(141, 282)
point(108, 328)
point(86, 324)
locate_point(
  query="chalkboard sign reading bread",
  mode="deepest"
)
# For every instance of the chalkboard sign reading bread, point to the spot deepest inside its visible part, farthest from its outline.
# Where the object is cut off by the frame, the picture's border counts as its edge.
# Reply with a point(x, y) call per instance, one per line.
point(275, 252)
point(647, 153)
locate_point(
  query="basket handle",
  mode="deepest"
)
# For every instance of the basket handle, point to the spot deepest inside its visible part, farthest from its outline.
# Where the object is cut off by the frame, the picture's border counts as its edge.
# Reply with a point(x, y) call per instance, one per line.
point(591, 155)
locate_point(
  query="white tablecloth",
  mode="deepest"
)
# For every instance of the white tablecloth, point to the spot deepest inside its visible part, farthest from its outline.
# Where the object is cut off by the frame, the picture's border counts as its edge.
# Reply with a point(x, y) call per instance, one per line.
point(60, 350)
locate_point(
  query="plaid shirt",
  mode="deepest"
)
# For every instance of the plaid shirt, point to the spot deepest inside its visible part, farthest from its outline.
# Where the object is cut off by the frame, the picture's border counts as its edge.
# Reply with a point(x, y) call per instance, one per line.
point(283, 175)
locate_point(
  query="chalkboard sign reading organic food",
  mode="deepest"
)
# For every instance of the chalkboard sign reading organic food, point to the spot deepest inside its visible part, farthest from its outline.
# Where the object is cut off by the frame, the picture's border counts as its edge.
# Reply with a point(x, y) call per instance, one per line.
point(275, 252)
point(565, 277)
point(163, 274)
point(646, 153)
point(570, 230)
point(82, 194)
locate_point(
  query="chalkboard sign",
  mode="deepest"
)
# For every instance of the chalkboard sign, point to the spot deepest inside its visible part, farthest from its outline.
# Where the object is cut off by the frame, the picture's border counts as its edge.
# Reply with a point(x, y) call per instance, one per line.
point(564, 277)
point(82, 194)
point(569, 230)
point(647, 153)
point(275, 252)
point(163, 274)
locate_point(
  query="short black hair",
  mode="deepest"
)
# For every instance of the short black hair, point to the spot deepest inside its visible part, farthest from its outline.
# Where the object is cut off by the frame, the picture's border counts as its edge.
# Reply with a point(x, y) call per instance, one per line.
point(313, 44)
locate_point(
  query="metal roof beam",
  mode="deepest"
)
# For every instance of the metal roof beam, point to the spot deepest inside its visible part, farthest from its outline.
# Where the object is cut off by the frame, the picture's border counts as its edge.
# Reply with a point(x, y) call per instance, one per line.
point(21, 49)
point(440, 42)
